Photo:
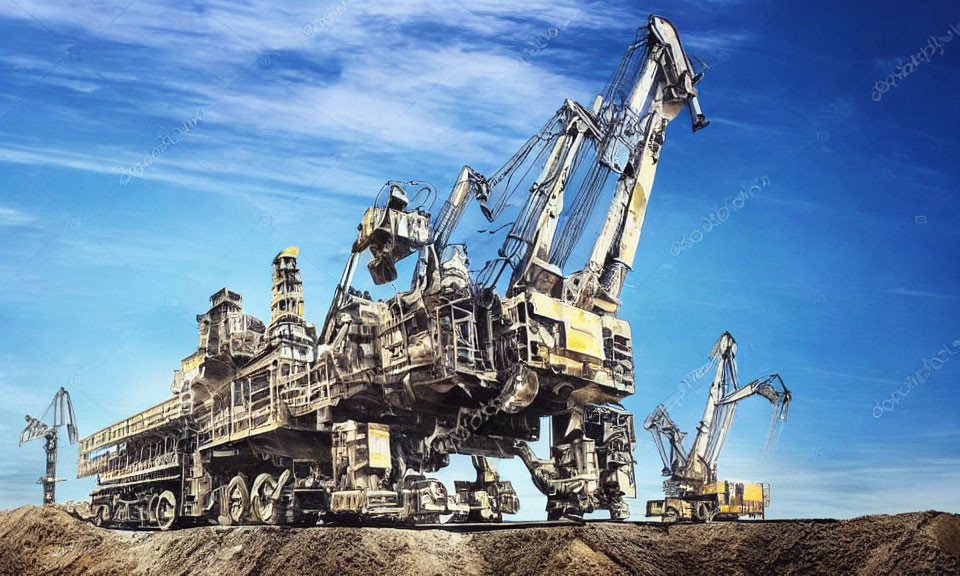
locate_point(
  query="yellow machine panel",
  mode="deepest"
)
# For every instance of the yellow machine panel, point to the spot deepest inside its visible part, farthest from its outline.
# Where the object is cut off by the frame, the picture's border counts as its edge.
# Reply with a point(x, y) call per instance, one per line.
point(753, 492)
point(378, 446)
point(583, 330)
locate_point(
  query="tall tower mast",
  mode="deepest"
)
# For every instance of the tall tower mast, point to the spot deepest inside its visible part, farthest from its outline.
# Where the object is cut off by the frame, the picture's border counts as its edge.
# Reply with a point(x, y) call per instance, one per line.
point(286, 305)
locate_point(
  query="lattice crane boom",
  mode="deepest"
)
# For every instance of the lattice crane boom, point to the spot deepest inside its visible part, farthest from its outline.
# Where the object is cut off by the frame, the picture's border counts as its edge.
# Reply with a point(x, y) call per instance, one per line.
point(61, 414)
point(699, 466)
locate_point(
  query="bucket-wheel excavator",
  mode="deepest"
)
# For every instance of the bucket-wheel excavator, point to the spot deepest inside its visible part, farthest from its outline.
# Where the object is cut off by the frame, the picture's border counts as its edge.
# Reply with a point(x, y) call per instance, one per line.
point(693, 491)
point(285, 422)
point(61, 414)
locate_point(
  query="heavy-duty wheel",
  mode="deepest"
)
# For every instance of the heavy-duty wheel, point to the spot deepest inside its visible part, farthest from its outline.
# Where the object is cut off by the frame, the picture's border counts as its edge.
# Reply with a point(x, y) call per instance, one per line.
point(101, 516)
point(705, 511)
point(670, 515)
point(238, 500)
point(263, 508)
point(166, 512)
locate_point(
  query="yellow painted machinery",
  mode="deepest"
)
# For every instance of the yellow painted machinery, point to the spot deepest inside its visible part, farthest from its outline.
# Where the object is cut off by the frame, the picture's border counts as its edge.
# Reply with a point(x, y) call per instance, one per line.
point(692, 489)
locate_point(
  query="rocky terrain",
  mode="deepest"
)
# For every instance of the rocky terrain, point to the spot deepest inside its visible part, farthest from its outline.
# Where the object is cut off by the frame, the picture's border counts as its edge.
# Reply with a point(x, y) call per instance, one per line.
point(36, 540)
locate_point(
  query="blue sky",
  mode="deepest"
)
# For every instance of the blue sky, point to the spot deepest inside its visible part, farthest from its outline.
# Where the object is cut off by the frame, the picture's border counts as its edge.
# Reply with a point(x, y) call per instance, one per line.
point(257, 126)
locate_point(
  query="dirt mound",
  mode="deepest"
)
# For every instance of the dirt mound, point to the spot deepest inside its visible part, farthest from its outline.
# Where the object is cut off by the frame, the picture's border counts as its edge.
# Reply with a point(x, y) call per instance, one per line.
point(49, 541)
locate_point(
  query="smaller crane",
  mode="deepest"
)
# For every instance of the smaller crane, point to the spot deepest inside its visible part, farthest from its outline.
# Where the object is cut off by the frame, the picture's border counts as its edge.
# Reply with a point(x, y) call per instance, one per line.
point(36, 428)
point(693, 490)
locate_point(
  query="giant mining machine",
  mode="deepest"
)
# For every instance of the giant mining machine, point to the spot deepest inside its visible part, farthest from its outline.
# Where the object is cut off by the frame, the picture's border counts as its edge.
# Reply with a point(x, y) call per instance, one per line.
point(287, 421)
point(693, 491)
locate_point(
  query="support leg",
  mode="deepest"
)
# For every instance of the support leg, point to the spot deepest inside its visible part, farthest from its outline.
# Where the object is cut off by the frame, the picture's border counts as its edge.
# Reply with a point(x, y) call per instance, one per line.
point(50, 480)
point(569, 478)
point(590, 464)
point(489, 497)
point(611, 429)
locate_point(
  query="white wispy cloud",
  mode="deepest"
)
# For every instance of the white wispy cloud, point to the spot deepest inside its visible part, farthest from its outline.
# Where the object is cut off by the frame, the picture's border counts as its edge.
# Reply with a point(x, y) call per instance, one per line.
point(10, 217)
point(901, 291)
point(393, 91)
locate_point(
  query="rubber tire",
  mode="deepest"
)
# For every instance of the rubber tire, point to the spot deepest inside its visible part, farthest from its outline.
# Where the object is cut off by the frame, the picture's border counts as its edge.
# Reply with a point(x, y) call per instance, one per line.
point(238, 485)
point(170, 500)
point(102, 516)
point(272, 515)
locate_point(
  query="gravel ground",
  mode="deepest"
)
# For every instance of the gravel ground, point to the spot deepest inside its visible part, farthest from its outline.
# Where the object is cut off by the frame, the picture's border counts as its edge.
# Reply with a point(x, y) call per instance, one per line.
point(36, 540)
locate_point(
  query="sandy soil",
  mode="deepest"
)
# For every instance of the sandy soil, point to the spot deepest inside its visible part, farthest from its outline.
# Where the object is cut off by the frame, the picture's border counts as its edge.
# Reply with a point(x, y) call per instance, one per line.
point(36, 540)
